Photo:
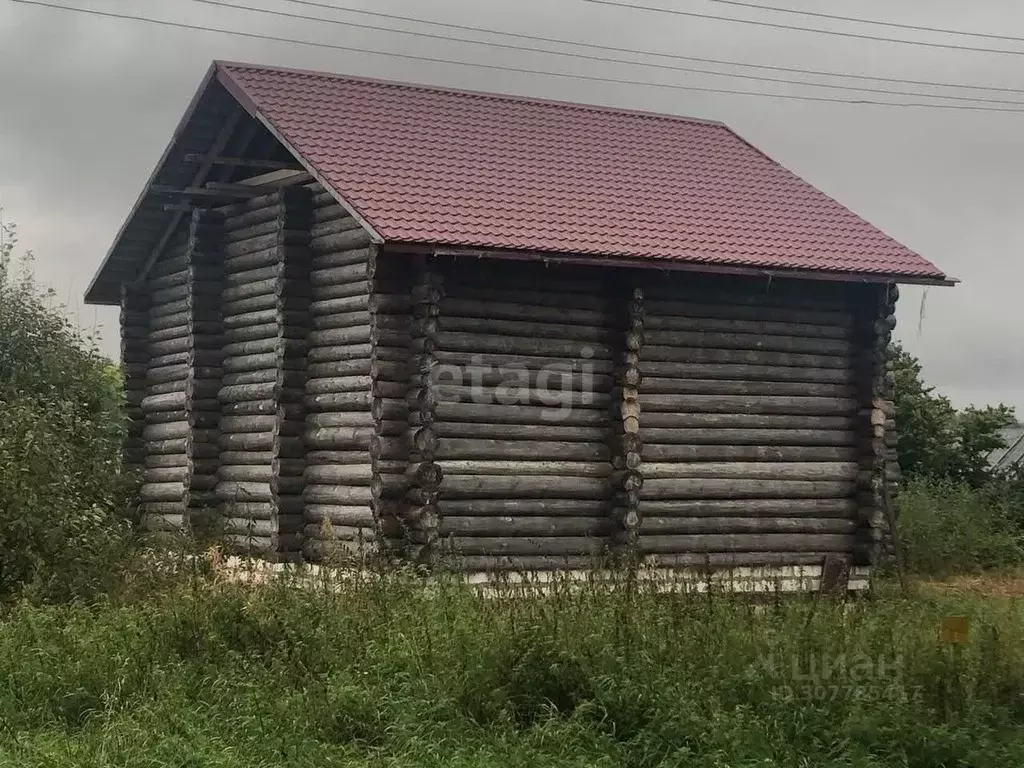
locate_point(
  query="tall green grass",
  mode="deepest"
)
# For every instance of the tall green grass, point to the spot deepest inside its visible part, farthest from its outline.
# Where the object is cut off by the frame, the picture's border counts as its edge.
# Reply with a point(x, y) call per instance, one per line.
point(388, 671)
point(947, 528)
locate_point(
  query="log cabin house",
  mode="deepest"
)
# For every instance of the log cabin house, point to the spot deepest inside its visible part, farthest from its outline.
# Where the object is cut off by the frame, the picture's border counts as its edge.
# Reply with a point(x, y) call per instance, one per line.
point(501, 333)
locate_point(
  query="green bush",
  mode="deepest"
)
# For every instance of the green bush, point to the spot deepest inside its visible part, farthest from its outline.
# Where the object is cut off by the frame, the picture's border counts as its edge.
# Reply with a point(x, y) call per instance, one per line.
point(62, 490)
point(947, 528)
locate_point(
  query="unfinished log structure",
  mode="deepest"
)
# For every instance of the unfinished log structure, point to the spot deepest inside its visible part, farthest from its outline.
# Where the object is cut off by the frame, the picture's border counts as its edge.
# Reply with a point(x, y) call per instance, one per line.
point(497, 334)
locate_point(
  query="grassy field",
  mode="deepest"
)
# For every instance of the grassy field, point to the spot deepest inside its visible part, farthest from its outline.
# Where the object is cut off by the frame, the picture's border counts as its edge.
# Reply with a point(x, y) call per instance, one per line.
point(389, 672)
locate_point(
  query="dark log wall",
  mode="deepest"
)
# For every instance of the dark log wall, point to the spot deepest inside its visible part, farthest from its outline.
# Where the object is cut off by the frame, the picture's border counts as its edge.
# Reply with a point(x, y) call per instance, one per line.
point(265, 304)
point(518, 413)
point(339, 426)
point(749, 409)
point(328, 399)
point(166, 428)
point(392, 320)
point(182, 356)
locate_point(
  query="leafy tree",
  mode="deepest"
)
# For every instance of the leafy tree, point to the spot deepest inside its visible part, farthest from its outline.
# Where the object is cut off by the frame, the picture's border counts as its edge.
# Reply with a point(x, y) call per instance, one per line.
point(936, 441)
point(62, 489)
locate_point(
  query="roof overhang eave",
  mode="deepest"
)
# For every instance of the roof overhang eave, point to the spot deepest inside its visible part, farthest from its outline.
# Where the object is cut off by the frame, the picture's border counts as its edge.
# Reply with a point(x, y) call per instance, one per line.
point(668, 265)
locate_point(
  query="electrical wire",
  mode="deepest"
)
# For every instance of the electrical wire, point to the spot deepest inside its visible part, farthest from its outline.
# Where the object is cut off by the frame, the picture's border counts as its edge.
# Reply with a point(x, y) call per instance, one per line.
point(878, 22)
point(605, 59)
point(643, 52)
point(504, 68)
point(795, 28)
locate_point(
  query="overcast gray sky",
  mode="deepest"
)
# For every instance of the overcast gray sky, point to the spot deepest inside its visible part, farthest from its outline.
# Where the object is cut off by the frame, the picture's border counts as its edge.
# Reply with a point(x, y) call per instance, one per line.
point(87, 104)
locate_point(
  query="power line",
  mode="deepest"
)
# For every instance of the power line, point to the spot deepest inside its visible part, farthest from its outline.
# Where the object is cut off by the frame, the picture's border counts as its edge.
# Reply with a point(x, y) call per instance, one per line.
point(592, 57)
point(795, 28)
point(878, 22)
point(504, 68)
point(657, 54)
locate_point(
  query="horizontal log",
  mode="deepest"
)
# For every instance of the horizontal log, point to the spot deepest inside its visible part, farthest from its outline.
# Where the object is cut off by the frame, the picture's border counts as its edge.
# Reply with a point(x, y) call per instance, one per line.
point(830, 471)
point(347, 267)
point(342, 241)
point(749, 341)
point(535, 296)
point(353, 319)
point(159, 475)
point(253, 260)
point(174, 401)
point(353, 418)
point(330, 337)
point(494, 310)
point(250, 333)
point(747, 437)
point(519, 414)
point(354, 303)
point(457, 448)
point(836, 507)
point(355, 535)
point(339, 401)
point(526, 432)
point(251, 304)
point(341, 222)
point(654, 385)
point(172, 491)
point(230, 490)
point(287, 378)
point(707, 488)
point(244, 363)
point(340, 353)
point(705, 355)
point(670, 420)
point(359, 516)
point(570, 351)
point(780, 312)
point(747, 542)
point(543, 507)
point(247, 441)
point(655, 323)
point(259, 473)
point(337, 384)
point(168, 431)
point(347, 495)
point(339, 438)
point(340, 368)
point(750, 404)
point(525, 545)
point(530, 486)
point(247, 319)
point(519, 276)
point(525, 526)
point(245, 392)
point(340, 474)
point(521, 468)
point(720, 525)
point(253, 423)
point(554, 392)
point(767, 453)
point(498, 365)
point(602, 333)
point(325, 293)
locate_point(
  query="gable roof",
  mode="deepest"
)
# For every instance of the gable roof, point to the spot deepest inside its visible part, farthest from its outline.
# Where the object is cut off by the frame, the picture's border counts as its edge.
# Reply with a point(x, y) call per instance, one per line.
point(422, 165)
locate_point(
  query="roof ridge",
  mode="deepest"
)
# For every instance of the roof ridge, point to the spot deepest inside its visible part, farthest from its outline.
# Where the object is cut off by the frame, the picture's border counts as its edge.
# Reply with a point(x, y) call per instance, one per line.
point(228, 65)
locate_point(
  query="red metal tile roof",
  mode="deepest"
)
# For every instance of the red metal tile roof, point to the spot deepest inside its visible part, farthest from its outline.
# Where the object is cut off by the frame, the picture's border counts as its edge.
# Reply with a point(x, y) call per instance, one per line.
point(425, 165)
